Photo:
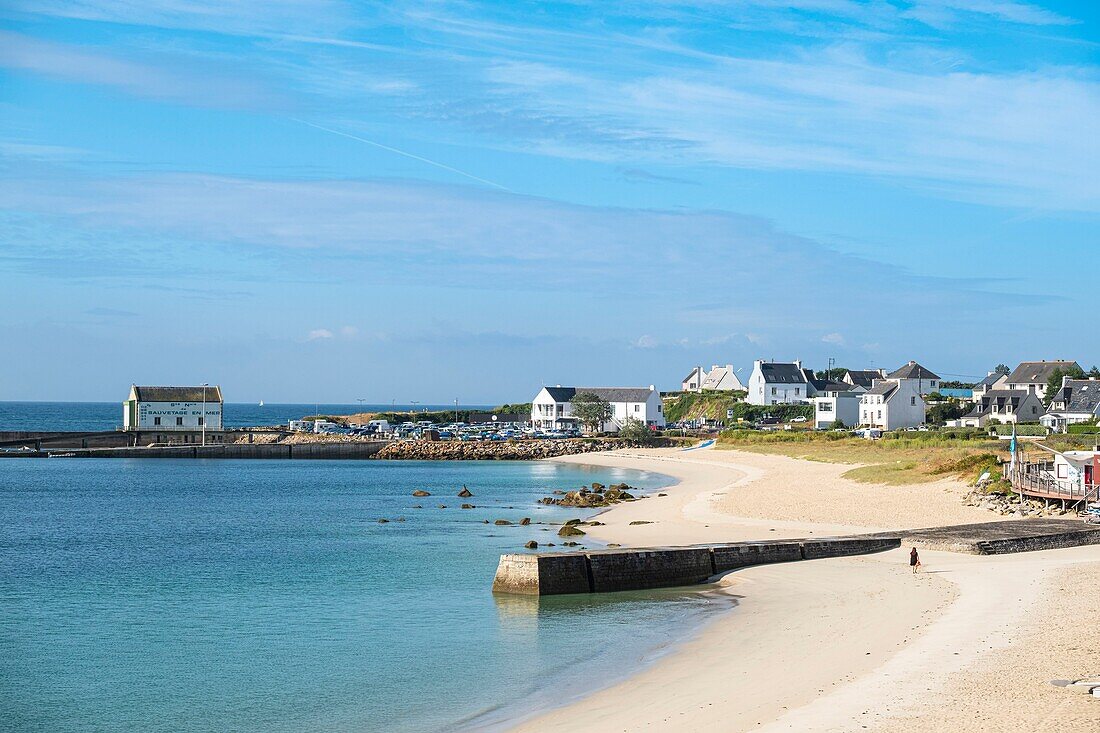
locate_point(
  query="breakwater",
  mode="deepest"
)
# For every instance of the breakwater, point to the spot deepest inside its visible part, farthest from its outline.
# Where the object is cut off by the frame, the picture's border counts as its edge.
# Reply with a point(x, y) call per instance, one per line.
point(518, 450)
point(230, 450)
point(605, 571)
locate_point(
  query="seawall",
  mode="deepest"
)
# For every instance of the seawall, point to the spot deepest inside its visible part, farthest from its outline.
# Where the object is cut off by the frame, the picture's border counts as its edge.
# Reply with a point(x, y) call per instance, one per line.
point(230, 450)
point(605, 571)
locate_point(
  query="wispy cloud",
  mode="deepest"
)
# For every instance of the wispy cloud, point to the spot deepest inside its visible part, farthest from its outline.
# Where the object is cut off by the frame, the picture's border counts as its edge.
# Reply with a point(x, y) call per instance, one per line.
point(192, 82)
point(319, 334)
point(834, 338)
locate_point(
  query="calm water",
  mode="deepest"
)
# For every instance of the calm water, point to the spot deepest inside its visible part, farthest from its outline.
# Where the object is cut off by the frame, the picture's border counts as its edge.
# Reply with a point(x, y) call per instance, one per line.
point(265, 596)
point(108, 415)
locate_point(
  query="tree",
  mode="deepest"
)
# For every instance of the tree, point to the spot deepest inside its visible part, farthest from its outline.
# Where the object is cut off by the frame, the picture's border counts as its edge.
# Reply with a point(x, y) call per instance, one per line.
point(1002, 369)
point(1054, 382)
point(1094, 372)
point(833, 375)
point(636, 430)
point(591, 410)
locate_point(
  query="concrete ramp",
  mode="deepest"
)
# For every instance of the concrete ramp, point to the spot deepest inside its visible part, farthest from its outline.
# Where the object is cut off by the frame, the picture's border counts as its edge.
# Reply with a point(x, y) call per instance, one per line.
point(998, 538)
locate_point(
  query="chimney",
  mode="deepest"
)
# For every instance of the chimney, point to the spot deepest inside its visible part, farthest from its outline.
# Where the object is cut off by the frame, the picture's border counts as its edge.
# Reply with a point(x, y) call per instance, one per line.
point(798, 363)
point(652, 387)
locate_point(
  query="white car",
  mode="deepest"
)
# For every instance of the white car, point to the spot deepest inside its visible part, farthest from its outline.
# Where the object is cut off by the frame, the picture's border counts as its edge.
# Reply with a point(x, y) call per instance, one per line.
point(798, 419)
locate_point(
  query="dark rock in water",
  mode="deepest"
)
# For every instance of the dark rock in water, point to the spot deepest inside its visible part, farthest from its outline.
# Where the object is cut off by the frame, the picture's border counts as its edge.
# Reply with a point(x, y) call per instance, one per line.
point(596, 486)
point(662, 494)
point(570, 530)
point(532, 545)
point(484, 521)
point(613, 544)
point(442, 506)
point(550, 544)
point(641, 521)
point(417, 506)
point(594, 523)
point(572, 521)
point(468, 506)
point(383, 521)
point(421, 492)
point(400, 519)
point(525, 521)
point(502, 522)
point(569, 544)
point(558, 492)
point(465, 493)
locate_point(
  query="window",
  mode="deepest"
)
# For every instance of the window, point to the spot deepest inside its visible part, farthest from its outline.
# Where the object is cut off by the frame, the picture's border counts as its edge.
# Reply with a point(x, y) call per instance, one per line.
point(913, 401)
point(1033, 409)
point(637, 408)
point(201, 420)
point(798, 390)
point(880, 414)
point(825, 406)
point(156, 421)
point(179, 421)
point(1062, 470)
point(658, 409)
point(773, 390)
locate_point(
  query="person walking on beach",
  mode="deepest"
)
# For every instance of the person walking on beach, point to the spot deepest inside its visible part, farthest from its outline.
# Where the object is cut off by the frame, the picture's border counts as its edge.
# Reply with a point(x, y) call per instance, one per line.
point(914, 560)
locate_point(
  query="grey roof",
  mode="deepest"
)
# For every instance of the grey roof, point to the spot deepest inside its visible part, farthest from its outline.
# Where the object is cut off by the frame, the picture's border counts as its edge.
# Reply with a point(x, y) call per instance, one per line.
point(1038, 372)
point(864, 377)
point(884, 388)
point(610, 394)
point(178, 394)
point(912, 370)
point(990, 379)
point(1006, 400)
point(1082, 395)
point(827, 385)
point(692, 373)
point(785, 373)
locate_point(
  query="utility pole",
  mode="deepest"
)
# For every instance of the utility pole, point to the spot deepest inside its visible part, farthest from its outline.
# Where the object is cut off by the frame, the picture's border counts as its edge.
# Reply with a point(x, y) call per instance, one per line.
point(456, 409)
point(203, 420)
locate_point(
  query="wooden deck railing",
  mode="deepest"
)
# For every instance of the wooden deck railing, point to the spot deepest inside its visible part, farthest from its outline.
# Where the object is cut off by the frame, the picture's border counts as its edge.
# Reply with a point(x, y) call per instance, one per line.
point(1037, 479)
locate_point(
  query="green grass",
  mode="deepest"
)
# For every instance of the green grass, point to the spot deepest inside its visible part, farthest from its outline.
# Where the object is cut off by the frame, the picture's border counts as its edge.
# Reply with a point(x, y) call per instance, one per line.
point(908, 458)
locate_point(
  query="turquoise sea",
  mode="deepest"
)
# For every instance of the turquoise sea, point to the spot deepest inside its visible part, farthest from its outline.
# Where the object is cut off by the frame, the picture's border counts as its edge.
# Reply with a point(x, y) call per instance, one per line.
point(199, 595)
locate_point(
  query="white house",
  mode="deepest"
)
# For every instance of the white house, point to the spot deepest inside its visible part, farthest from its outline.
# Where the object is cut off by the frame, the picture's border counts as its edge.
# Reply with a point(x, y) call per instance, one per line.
point(552, 408)
point(719, 378)
point(173, 408)
point(926, 381)
point(837, 401)
point(1077, 401)
point(780, 383)
point(1004, 406)
point(722, 378)
point(1032, 376)
point(693, 382)
point(892, 404)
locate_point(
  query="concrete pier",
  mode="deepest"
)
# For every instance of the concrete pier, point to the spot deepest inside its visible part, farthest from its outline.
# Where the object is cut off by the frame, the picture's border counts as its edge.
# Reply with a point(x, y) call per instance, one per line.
point(606, 571)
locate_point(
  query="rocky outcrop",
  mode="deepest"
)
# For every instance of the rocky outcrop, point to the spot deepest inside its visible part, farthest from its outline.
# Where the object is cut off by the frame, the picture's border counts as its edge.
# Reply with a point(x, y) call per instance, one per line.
point(1005, 504)
point(585, 499)
point(518, 450)
point(421, 492)
point(465, 493)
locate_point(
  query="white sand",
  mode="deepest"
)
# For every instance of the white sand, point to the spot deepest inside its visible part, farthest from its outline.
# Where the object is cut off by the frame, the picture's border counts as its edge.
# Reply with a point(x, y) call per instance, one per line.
point(847, 643)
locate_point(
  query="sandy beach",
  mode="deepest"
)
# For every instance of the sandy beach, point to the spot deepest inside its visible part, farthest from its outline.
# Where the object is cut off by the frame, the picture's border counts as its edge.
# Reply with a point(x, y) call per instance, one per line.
point(848, 643)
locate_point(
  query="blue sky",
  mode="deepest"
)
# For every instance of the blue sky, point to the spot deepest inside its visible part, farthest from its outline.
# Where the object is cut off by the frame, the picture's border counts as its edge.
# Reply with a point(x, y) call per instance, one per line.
point(317, 200)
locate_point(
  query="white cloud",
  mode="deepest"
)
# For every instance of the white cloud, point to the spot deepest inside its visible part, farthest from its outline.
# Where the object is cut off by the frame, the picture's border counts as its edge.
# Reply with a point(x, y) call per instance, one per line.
point(833, 338)
point(319, 333)
point(646, 342)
